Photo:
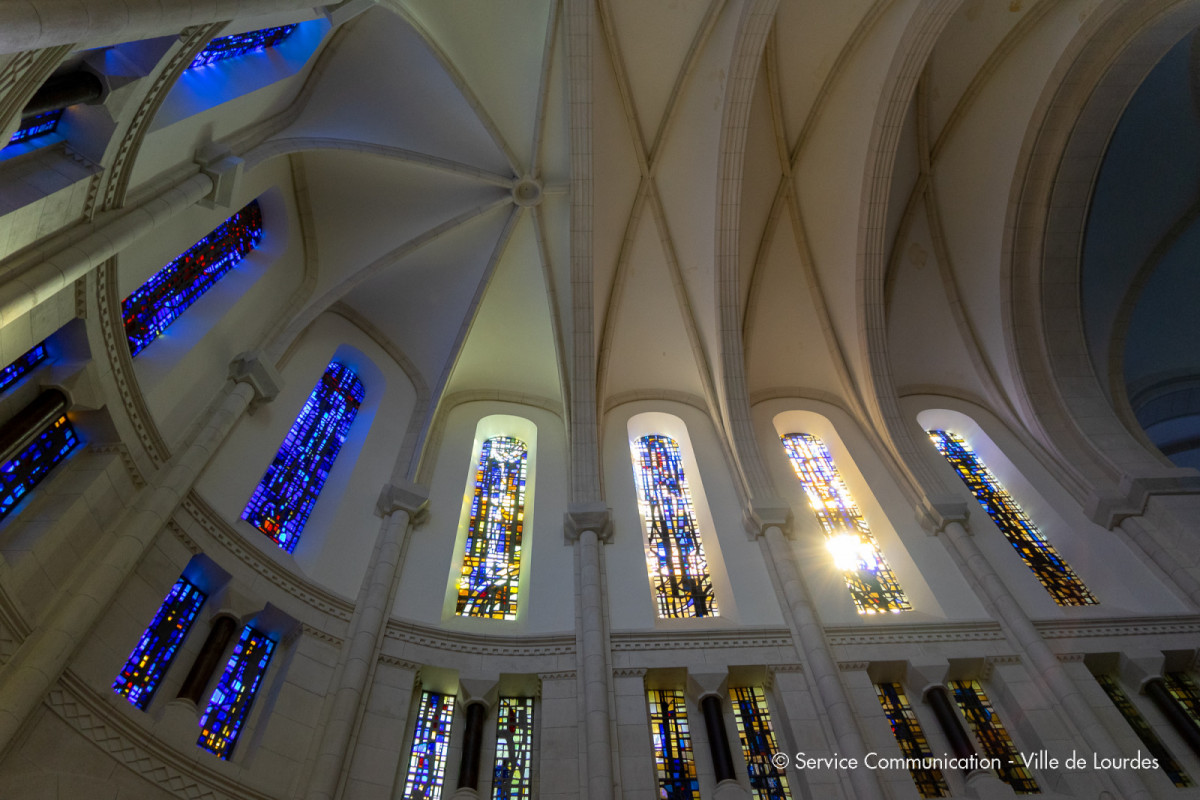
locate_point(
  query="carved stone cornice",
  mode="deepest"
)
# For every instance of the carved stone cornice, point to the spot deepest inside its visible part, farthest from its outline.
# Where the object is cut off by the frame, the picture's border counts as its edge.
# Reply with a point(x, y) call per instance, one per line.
point(404, 496)
point(700, 640)
point(904, 634)
point(582, 517)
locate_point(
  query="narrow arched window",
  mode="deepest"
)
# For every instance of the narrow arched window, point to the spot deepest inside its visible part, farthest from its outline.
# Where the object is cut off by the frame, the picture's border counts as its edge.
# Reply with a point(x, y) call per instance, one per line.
point(169, 292)
point(430, 745)
point(759, 745)
point(870, 579)
point(233, 698)
point(669, 733)
point(512, 775)
point(492, 564)
point(1038, 554)
point(288, 491)
point(678, 569)
point(239, 44)
point(155, 651)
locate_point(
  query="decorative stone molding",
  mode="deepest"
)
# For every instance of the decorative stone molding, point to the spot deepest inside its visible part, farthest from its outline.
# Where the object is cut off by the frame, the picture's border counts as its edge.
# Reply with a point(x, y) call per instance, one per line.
point(1131, 626)
point(582, 517)
point(459, 642)
point(320, 635)
point(629, 672)
point(565, 675)
point(183, 538)
point(404, 496)
point(203, 516)
point(700, 640)
point(122, 450)
point(255, 369)
point(1071, 658)
point(774, 668)
point(904, 634)
point(402, 663)
point(1131, 497)
point(767, 513)
point(853, 666)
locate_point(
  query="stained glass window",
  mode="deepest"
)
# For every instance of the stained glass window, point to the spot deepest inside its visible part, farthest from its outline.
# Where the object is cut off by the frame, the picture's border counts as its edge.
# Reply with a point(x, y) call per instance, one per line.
point(1186, 693)
point(169, 292)
point(492, 564)
point(758, 743)
point(872, 584)
point(1039, 555)
point(512, 777)
point(240, 44)
point(24, 364)
point(677, 565)
point(232, 699)
point(431, 739)
point(37, 125)
point(27, 469)
point(288, 491)
point(907, 730)
point(1144, 732)
point(992, 736)
point(672, 745)
point(140, 678)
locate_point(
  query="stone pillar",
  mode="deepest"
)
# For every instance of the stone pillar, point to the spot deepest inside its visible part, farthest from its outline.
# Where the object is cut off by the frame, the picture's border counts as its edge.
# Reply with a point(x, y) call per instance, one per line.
point(111, 233)
point(1042, 661)
point(400, 506)
point(638, 776)
point(208, 659)
point(43, 656)
point(769, 524)
point(712, 691)
point(477, 699)
point(1145, 670)
point(559, 746)
point(587, 525)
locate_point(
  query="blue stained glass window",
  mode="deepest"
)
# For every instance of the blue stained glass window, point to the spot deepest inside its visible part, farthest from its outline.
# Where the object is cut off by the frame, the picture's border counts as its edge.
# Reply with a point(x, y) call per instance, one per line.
point(169, 292)
point(140, 678)
point(673, 760)
point(993, 737)
point(907, 729)
point(37, 125)
point(239, 44)
point(492, 564)
point(27, 469)
point(758, 743)
point(678, 568)
point(288, 491)
point(512, 777)
point(1038, 554)
point(431, 740)
point(22, 366)
point(232, 699)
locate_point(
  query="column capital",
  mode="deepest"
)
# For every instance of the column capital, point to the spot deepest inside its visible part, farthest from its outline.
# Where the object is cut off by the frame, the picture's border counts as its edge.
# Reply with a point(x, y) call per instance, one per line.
point(582, 517)
point(923, 675)
point(1108, 507)
point(934, 516)
point(769, 512)
point(403, 496)
point(476, 691)
point(255, 369)
point(1140, 667)
point(708, 684)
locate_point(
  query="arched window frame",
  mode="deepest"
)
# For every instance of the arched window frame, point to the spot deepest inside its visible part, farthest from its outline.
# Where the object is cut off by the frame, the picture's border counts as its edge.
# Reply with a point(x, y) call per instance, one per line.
point(489, 427)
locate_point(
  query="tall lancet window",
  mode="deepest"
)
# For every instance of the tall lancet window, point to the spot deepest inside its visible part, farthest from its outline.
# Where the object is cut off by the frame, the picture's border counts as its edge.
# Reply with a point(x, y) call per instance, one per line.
point(1038, 554)
point(492, 565)
point(234, 696)
point(239, 44)
point(870, 579)
point(431, 742)
point(154, 652)
point(677, 565)
point(673, 760)
point(758, 743)
point(512, 777)
point(286, 495)
point(169, 292)
point(993, 737)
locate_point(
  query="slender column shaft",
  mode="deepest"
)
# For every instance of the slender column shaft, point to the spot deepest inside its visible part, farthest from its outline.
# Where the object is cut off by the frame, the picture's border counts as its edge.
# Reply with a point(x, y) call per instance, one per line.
point(831, 693)
point(595, 683)
point(110, 235)
point(718, 738)
point(61, 91)
point(207, 659)
point(1179, 719)
point(41, 658)
point(367, 627)
point(938, 698)
point(1042, 661)
point(20, 431)
point(468, 770)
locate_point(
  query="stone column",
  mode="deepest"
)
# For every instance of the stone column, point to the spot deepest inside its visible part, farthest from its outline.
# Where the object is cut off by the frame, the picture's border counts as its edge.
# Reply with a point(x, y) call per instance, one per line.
point(477, 698)
point(587, 525)
point(1145, 670)
point(769, 523)
point(42, 657)
point(400, 506)
point(639, 781)
point(208, 659)
point(711, 689)
point(1042, 661)
point(111, 233)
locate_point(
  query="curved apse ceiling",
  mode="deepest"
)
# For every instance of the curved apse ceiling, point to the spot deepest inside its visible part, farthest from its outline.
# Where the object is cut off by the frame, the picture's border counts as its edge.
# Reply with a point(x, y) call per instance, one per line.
point(1139, 275)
